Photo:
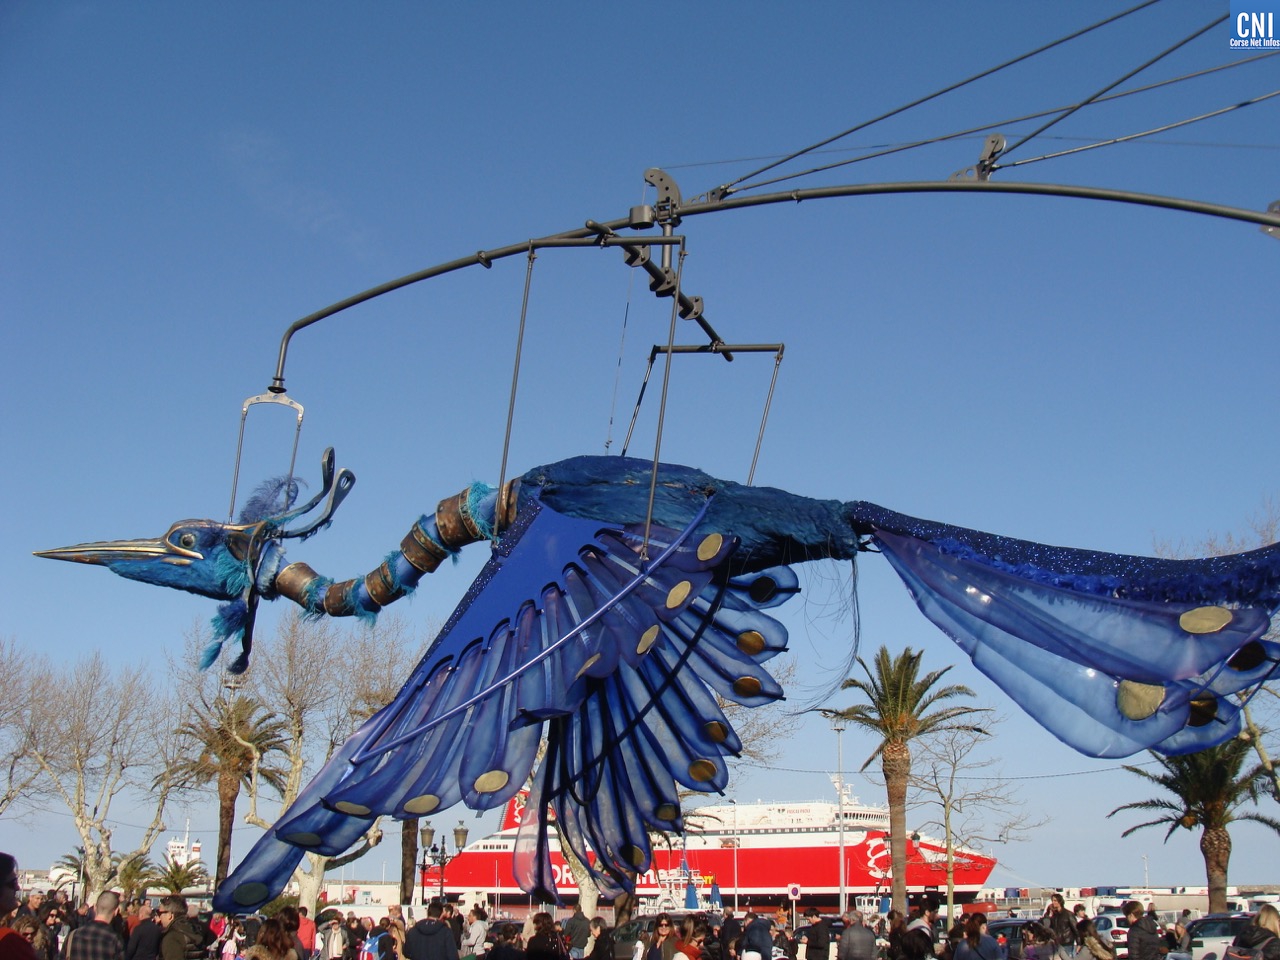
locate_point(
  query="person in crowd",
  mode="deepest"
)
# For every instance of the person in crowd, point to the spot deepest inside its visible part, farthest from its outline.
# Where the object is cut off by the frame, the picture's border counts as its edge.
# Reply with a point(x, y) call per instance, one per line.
point(181, 939)
point(917, 938)
point(1062, 925)
point(896, 929)
point(97, 939)
point(505, 943)
point(1038, 942)
point(784, 942)
point(231, 943)
point(475, 933)
point(30, 907)
point(27, 926)
point(816, 938)
point(275, 942)
point(307, 932)
point(1091, 942)
point(756, 942)
point(601, 940)
point(545, 944)
point(857, 941)
point(144, 941)
point(335, 938)
point(577, 930)
point(693, 934)
point(352, 937)
point(976, 944)
point(452, 919)
point(1144, 940)
point(1261, 934)
point(431, 938)
point(663, 946)
point(396, 932)
point(730, 933)
point(49, 938)
point(291, 919)
point(13, 946)
point(1179, 937)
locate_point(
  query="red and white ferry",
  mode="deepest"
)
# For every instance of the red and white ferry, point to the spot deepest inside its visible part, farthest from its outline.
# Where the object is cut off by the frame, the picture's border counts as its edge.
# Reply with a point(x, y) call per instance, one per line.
point(754, 850)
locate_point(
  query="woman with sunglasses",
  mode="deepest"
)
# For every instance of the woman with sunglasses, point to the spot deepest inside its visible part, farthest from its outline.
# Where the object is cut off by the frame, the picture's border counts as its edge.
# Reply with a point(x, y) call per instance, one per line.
point(663, 946)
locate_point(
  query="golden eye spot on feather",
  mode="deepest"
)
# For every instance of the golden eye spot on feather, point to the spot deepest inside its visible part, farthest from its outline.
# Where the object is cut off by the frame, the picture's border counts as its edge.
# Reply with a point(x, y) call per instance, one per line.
point(1205, 619)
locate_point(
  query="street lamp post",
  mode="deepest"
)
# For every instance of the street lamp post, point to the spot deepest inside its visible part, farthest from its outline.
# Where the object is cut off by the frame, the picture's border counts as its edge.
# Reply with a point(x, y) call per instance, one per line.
point(439, 856)
point(838, 724)
point(736, 841)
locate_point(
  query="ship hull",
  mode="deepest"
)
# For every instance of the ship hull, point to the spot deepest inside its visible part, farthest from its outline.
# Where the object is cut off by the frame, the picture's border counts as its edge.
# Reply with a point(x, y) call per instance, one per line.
point(762, 857)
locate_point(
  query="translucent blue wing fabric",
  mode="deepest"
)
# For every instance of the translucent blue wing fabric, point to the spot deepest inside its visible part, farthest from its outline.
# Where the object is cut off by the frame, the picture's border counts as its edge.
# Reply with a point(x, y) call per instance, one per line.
point(614, 644)
point(1108, 676)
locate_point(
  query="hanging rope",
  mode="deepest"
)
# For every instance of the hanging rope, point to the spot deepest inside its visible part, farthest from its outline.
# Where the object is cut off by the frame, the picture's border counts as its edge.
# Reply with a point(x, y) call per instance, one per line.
point(662, 407)
point(515, 379)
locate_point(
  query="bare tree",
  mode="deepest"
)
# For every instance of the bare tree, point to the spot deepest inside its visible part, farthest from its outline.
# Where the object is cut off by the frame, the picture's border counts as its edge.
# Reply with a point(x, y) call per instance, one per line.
point(973, 802)
point(106, 733)
point(22, 779)
point(323, 682)
point(1259, 704)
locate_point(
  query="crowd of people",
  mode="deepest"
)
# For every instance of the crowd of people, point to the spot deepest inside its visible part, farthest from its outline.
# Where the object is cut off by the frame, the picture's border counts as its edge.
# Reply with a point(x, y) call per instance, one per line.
point(48, 926)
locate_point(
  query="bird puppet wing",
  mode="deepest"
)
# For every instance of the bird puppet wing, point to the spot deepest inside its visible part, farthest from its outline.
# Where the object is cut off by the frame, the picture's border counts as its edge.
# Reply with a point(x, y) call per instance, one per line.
point(616, 643)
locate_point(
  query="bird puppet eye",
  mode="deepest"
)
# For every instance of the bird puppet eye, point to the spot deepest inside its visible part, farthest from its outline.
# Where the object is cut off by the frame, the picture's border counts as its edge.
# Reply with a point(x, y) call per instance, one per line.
point(186, 540)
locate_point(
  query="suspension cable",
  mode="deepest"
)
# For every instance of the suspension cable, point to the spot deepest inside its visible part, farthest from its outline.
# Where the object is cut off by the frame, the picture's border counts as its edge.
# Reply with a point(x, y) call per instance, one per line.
point(728, 188)
point(1144, 133)
point(1111, 86)
point(901, 147)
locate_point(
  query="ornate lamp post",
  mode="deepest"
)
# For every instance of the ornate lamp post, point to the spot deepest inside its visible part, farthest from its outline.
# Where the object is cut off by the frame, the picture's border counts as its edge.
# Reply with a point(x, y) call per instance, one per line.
point(439, 856)
point(838, 724)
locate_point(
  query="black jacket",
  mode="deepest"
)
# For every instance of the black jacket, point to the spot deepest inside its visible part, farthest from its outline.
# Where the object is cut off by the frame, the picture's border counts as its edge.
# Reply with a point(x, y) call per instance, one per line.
point(1144, 940)
point(144, 942)
point(1253, 936)
point(430, 940)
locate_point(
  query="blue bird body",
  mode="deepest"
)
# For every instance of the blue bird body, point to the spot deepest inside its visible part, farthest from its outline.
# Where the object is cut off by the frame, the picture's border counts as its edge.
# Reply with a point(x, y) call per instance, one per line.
point(614, 610)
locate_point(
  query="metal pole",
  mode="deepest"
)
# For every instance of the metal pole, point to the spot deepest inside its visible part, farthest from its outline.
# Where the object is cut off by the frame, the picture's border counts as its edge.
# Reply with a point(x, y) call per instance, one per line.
point(838, 724)
point(443, 859)
point(736, 841)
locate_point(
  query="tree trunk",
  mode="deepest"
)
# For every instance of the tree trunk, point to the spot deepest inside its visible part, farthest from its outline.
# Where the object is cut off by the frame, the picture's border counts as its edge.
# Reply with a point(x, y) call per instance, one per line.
point(408, 859)
point(1215, 845)
point(309, 884)
point(588, 892)
point(228, 793)
point(895, 763)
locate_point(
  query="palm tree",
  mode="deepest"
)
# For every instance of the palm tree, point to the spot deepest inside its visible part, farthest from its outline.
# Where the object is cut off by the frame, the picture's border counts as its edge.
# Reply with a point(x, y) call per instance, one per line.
point(233, 734)
point(1208, 790)
point(75, 865)
point(177, 876)
point(897, 712)
point(135, 874)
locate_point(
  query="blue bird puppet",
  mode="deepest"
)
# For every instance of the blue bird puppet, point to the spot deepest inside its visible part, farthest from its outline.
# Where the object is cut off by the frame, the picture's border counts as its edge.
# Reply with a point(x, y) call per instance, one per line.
point(608, 626)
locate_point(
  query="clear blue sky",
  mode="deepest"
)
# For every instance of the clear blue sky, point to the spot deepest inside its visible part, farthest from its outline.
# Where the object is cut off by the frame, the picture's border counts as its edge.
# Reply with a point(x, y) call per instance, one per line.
point(179, 182)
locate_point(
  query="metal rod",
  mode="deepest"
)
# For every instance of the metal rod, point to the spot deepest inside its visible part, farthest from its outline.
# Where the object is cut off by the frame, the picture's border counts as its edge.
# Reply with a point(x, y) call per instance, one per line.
point(662, 413)
point(764, 419)
point(515, 380)
point(485, 258)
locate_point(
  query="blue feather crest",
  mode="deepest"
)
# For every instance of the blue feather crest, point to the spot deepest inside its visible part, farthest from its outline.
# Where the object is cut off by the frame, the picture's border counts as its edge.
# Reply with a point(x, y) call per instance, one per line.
point(228, 624)
point(270, 499)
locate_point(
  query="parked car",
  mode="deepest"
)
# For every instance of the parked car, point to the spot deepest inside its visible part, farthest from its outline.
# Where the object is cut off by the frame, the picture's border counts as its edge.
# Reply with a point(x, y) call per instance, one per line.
point(1211, 935)
point(1008, 933)
point(1116, 927)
